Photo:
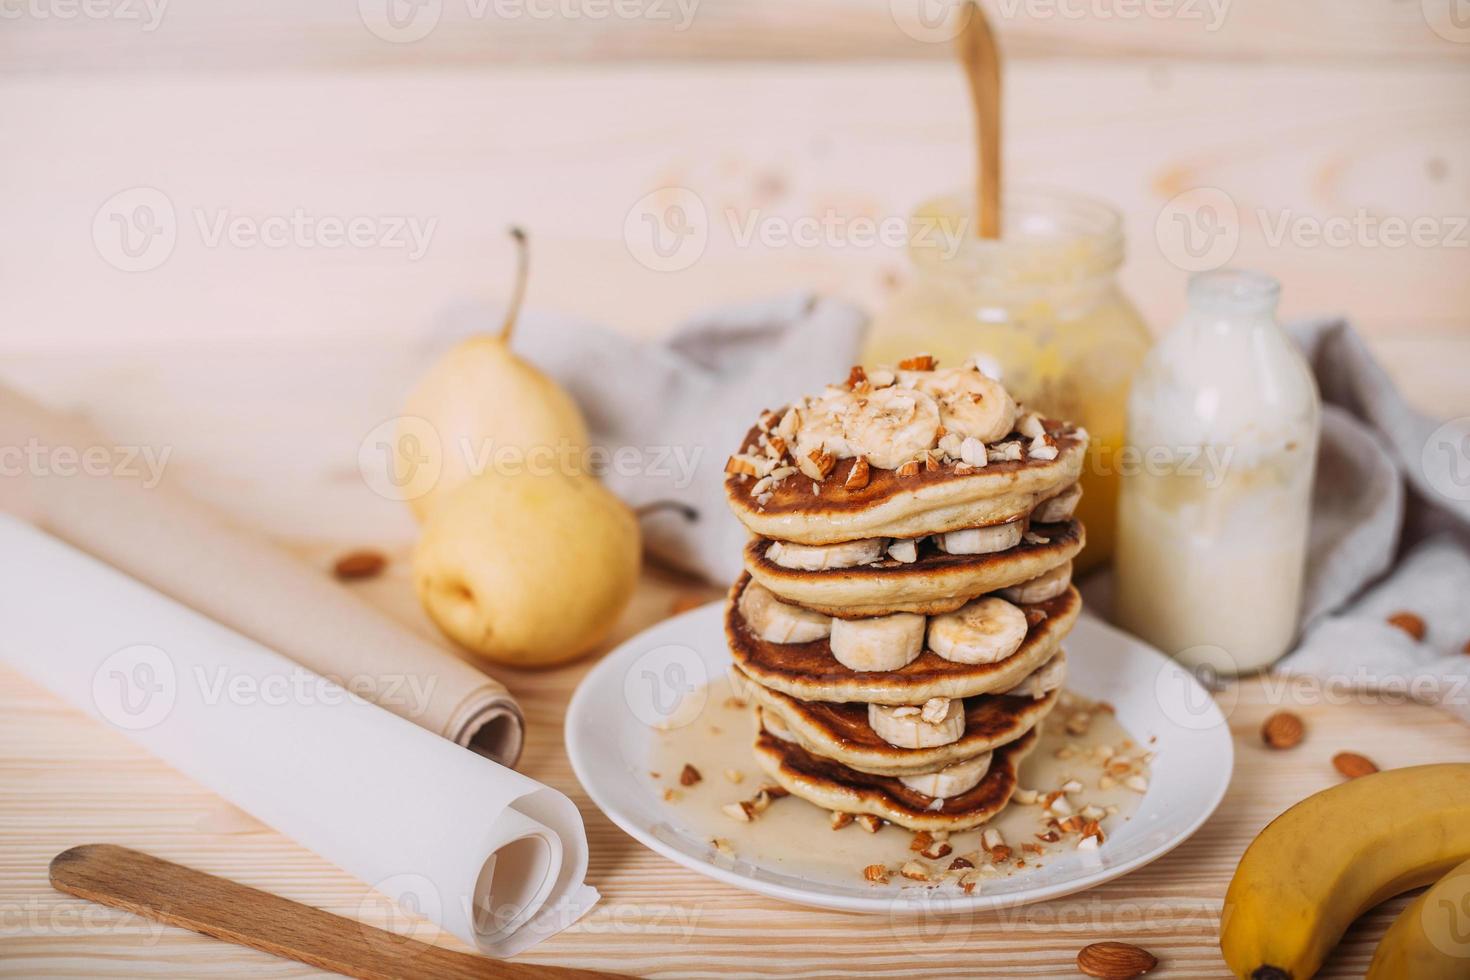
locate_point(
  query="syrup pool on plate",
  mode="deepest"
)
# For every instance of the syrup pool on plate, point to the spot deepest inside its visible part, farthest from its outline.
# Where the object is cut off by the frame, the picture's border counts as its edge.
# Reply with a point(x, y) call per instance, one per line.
point(1082, 746)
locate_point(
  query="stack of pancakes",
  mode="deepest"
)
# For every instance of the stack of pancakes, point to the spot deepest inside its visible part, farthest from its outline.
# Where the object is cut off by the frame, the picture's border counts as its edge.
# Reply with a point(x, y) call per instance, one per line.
point(908, 586)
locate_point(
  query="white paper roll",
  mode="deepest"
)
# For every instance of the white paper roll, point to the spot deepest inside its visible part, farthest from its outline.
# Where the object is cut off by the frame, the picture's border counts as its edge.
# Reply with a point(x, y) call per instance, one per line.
point(493, 857)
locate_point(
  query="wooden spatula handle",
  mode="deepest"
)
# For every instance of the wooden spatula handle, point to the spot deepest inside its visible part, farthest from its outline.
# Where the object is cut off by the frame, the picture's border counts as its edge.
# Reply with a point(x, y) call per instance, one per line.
point(180, 896)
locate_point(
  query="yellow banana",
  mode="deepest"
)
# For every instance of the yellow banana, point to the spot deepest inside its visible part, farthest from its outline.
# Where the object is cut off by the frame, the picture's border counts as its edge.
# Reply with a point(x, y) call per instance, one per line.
point(1319, 865)
point(1430, 940)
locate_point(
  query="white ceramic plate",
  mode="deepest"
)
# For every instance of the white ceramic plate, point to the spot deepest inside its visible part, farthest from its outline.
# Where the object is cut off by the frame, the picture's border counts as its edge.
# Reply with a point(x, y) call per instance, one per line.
point(658, 676)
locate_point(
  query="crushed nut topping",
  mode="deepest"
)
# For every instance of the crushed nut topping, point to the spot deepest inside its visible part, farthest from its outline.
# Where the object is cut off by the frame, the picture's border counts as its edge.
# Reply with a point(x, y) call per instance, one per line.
point(689, 776)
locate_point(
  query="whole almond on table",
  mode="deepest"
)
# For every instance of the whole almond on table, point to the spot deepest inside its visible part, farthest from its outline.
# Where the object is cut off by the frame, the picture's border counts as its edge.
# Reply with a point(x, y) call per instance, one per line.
point(1115, 961)
point(1352, 765)
point(1410, 623)
point(359, 564)
point(1283, 730)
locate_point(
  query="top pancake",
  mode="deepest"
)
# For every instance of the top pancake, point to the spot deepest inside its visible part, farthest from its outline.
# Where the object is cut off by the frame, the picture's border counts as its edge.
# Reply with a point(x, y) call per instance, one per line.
point(931, 501)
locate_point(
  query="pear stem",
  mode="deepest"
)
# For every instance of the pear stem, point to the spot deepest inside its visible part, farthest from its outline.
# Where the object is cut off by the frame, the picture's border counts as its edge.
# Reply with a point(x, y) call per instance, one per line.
point(523, 269)
point(981, 58)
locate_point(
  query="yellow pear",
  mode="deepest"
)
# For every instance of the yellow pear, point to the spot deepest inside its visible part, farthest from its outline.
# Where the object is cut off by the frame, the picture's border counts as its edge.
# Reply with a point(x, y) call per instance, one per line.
point(528, 570)
point(481, 409)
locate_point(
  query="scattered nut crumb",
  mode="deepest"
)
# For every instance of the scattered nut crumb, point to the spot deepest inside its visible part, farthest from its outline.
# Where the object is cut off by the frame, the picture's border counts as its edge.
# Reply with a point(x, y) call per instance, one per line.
point(1283, 730)
point(876, 873)
point(741, 811)
point(689, 776)
point(671, 795)
point(1411, 623)
point(359, 565)
point(723, 846)
point(840, 819)
point(1352, 765)
point(858, 476)
point(914, 871)
point(735, 776)
point(960, 863)
point(869, 822)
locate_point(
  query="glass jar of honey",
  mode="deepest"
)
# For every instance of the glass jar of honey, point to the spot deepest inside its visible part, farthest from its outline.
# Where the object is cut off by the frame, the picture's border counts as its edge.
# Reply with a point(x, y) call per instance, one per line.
point(1040, 310)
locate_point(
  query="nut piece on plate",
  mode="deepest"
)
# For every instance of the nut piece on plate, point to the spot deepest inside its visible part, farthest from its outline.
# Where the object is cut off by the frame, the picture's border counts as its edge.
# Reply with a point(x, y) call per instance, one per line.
point(1283, 730)
point(1115, 961)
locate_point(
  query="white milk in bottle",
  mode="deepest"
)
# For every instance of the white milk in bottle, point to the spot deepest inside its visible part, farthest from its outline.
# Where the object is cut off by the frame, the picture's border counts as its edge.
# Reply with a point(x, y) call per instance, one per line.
point(1216, 493)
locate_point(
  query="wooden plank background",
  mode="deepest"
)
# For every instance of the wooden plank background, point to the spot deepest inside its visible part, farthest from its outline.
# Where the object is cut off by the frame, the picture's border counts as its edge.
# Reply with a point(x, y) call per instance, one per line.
point(1314, 111)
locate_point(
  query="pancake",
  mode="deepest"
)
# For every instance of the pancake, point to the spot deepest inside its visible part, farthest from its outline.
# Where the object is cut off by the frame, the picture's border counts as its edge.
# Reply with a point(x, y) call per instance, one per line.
point(834, 786)
point(809, 672)
point(931, 501)
point(841, 732)
point(936, 583)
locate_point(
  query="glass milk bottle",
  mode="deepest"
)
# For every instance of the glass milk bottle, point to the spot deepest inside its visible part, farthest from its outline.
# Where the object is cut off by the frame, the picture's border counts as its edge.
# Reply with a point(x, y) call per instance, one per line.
point(1217, 481)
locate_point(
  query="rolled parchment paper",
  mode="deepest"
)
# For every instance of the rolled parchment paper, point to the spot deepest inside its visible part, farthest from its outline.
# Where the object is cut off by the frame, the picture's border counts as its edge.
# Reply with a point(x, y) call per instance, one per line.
point(493, 857)
point(128, 518)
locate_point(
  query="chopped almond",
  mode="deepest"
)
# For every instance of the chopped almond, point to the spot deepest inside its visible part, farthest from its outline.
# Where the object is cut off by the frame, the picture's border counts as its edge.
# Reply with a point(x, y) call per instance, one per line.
point(869, 822)
point(741, 811)
point(961, 863)
point(914, 871)
point(740, 466)
point(857, 378)
point(840, 819)
point(923, 362)
point(689, 776)
point(1410, 623)
point(822, 460)
point(911, 468)
point(876, 873)
point(857, 477)
point(921, 840)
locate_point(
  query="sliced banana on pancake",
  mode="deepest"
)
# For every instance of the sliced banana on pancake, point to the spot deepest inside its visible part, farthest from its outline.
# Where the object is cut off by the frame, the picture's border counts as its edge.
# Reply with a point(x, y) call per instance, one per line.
point(984, 631)
point(1047, 585)
point(879, 643)
point(970, 404)
point(951, 780)
point(891, 426)
point(908, 726)
point(779, 622)
point(982, 540)
point(1041, 682)
point(1060, 508)
point(816, 558)
point(817, 425)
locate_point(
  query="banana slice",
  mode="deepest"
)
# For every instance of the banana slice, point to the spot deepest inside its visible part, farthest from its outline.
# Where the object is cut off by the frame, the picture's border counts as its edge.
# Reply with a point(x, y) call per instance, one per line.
point(970, 404)
point(984, 631)
point(904, 725)
point(891, 426)
point(814, 558)
point(1047, 585)
point(780, 622)
point(951, 780)
point(879, 643)
point(1058, 508)
point(1041, 681)
point(774, 724)
point(983, 540)
point(817, 425)
point(905, 550)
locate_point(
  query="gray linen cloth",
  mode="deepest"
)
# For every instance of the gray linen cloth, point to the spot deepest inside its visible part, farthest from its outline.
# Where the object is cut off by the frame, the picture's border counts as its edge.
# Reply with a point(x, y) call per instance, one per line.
point(1390, 533)
point(1391, 521)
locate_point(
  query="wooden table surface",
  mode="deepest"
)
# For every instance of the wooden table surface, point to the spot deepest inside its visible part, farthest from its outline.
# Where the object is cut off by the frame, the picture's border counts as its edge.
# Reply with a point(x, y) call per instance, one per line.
point(65, 780)
point(1309, 112)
